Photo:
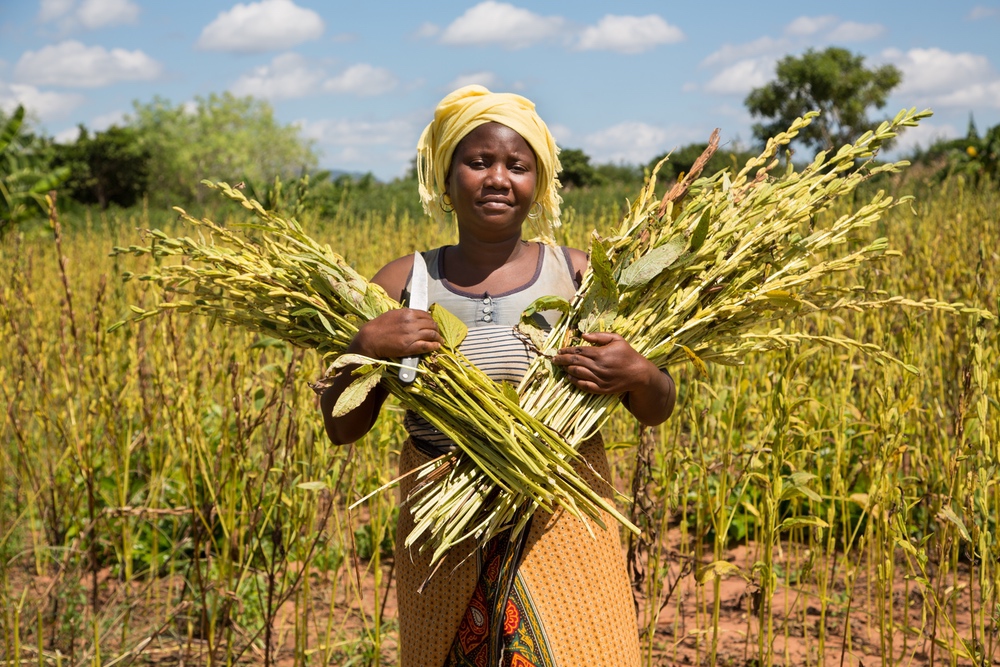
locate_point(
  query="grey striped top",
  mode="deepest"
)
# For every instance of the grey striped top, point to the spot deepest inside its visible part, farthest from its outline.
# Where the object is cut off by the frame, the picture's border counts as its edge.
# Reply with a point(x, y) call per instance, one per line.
point(491, 343)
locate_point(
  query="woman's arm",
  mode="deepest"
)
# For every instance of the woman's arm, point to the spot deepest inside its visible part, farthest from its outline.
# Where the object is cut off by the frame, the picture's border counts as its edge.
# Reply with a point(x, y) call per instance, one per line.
point(398, 333)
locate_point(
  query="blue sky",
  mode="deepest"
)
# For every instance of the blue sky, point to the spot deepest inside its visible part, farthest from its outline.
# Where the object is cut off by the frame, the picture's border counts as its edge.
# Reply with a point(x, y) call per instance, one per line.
point(624, 81)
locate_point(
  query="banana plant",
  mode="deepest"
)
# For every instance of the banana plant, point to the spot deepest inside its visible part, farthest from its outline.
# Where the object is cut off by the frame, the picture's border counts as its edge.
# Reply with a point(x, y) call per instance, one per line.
point(24, 181)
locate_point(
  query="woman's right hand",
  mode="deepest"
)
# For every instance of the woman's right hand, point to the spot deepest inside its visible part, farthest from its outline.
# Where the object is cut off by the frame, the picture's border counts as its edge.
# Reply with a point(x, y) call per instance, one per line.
point(398, 333)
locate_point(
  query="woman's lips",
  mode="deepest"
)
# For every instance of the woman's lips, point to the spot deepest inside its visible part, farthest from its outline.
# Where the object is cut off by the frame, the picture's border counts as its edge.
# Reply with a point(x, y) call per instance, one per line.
point(494, 202)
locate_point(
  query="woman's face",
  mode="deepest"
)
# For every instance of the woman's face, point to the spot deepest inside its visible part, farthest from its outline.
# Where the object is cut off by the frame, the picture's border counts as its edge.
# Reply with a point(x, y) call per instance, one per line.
point(492, 179)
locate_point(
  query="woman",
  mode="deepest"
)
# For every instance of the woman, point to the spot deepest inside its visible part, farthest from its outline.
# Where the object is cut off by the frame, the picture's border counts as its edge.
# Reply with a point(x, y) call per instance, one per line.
point(558, 596)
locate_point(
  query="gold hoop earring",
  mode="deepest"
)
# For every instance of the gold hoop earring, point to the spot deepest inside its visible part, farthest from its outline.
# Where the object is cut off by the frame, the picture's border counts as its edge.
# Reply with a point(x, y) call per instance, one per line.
point(441, 203)
point(533, 213)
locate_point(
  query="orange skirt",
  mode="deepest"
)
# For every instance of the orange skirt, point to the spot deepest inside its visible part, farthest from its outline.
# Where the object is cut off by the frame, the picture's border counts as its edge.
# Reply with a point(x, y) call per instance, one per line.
point(568, 603)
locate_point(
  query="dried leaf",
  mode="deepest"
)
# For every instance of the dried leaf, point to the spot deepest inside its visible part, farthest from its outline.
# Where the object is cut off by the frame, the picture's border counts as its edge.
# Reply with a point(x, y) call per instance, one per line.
point(797, 521)
point(720, 569)
point(358, 391)
point(698, 363)
point(948, 514)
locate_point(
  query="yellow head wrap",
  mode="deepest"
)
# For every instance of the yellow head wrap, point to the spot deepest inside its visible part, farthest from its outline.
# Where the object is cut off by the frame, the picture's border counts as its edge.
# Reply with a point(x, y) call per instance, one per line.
point(463, 111)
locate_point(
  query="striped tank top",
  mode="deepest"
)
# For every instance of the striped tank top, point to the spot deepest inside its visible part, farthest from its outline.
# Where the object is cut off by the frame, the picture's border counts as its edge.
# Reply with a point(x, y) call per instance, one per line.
point(491, 343)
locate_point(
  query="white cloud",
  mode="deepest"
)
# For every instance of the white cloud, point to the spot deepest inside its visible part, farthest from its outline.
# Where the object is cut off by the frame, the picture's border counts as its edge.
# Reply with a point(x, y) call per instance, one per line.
point(67, 136)
point(287, 76)
point(632, 142)
point(269, 25)
point(730, 53)
point(923, 135)
point(628, 34)
point(503, 24)
point(106, 120)
point(427, 30)
point(362, 80)
point(54, 9)
point(804, 26)
point(973, 96)
point(936, 71)
point(46, 105)
point(75, 65)
point(980, 12)
point(100, 13)
point(849, 31)
point(488, 79)
point(561, 133)
point(740, 78)
point(97, 124)
point(342, 134)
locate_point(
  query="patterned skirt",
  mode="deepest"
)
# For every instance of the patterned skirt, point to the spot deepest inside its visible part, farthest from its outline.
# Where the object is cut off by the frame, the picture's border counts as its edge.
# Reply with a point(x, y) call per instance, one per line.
point(558, 597)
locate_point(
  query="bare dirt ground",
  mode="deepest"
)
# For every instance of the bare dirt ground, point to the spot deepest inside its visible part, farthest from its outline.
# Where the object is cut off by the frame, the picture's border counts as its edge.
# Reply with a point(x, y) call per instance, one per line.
point(341, 604)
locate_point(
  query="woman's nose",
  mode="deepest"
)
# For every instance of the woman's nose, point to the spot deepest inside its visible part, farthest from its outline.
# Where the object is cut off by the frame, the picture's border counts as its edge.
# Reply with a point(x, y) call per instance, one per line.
point(497, 176)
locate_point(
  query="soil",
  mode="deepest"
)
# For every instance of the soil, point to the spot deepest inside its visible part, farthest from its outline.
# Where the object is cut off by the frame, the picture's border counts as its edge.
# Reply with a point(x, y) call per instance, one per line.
point(342, 603)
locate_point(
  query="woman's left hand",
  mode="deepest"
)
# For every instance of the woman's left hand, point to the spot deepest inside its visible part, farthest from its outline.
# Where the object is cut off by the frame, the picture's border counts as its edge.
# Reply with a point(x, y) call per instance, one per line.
point(609, 365)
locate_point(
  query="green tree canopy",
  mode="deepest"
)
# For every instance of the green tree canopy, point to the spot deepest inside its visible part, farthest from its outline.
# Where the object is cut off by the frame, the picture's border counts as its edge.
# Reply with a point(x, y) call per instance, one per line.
point(576, 169)
point(834, 82)
point(219, 137)
point(682, 159)
point(109, 167)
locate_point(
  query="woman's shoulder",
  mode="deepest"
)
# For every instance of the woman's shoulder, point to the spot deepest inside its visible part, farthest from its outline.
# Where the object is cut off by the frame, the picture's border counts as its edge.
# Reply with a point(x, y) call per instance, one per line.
point(393, 276)
point(578, 262)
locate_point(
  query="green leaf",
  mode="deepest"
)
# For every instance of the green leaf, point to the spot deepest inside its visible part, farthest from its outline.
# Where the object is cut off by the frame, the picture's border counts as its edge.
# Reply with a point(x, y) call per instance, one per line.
point(268, 342)
point(326, 324)
point(311, 486)
point(50, 181)
point(600, 304)
point(11, 128)
point(358, 391)
point(349, 359)
point(652, 263)
point(452, 329)
point(543, 303)
point(798, 483)
point(510, 391)
point(700, 232)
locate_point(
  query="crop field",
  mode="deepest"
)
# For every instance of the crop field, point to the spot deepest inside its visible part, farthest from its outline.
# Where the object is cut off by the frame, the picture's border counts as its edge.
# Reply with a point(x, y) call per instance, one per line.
point(168, 494)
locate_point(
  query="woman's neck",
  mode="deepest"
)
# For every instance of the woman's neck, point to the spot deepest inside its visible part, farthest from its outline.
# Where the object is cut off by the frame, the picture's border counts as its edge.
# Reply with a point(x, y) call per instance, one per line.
point(490, 266)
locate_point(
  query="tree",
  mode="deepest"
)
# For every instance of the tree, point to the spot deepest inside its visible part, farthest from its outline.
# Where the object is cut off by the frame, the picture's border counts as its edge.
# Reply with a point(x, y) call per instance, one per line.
point(834, 82)
point(110, 167)
point(221, 137)
point(576, 169)
point(25, 172)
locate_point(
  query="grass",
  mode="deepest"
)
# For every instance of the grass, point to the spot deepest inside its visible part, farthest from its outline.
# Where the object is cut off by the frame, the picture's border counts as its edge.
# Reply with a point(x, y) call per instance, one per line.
point(168, 490)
